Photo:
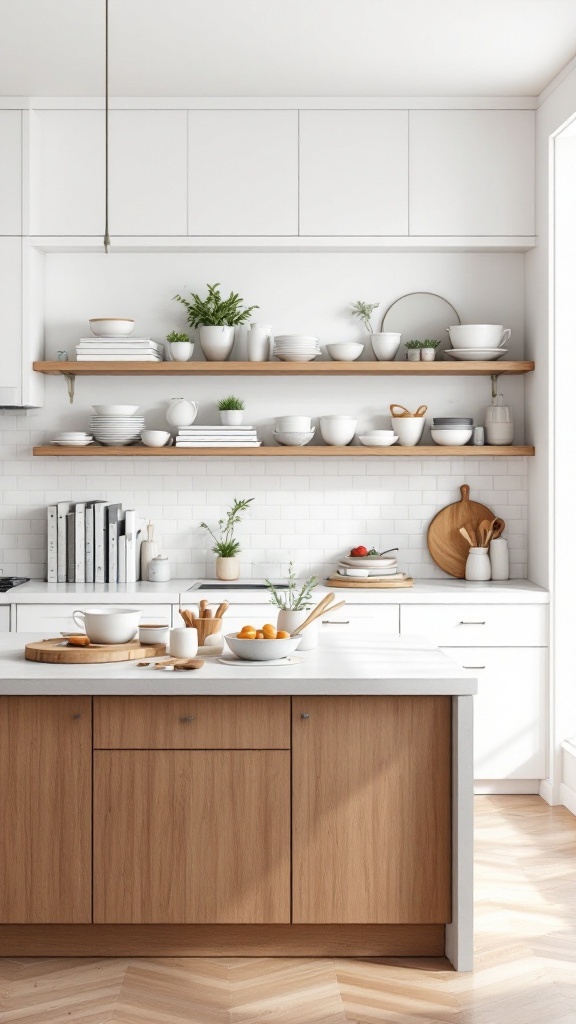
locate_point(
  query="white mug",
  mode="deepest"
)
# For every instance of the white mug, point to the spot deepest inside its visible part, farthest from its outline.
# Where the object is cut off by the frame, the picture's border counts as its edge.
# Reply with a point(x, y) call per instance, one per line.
point(183, 642)
point(107, 625)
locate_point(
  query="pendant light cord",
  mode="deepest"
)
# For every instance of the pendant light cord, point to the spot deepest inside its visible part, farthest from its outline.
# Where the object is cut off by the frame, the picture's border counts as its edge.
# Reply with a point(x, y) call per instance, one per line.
point(106, 230)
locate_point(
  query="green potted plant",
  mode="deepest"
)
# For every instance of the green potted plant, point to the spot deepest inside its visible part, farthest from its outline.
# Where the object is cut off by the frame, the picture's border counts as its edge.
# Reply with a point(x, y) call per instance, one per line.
point(226, 547)
point(231, 410)
point(428, 349)
point(294, 603)
point(385, 344)
point(181, 348)
point(413, 350)
point(216, 317)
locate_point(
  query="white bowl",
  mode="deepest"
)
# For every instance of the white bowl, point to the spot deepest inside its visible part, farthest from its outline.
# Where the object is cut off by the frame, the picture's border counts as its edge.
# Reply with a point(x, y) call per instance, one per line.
point(110, 327)
point(337, 430)
point(346, 351)
point(155, 438)
point(409, 429)
point(115, 410)
point(261, 650)
point(296, 357)
point(384, 434)
point(378, 442)
point(478, 335)
point(385, 345)
point(303, 423)
point(293, 437)
point(456, 436)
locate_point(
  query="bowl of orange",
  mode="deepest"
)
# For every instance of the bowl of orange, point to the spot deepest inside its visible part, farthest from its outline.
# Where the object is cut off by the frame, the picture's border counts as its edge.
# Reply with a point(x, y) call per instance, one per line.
point(265, 644)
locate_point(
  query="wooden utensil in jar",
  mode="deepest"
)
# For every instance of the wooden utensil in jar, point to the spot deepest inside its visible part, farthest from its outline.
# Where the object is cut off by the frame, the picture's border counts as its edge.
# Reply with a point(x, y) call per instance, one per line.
point(318, 611)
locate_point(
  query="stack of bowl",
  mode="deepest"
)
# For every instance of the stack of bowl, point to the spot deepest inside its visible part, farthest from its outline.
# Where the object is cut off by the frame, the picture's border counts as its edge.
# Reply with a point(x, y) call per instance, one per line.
point(116, 424)
point(452, 430)
point(378, 438)
point(73, 438)
point(293, 430)
point(299, 348)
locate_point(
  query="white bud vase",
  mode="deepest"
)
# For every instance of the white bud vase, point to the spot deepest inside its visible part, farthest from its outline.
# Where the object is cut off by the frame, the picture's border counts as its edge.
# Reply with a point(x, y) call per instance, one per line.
point(231, 417)
point(290, 620)
point(216, 342)
point(227, 568)
point(181, 412)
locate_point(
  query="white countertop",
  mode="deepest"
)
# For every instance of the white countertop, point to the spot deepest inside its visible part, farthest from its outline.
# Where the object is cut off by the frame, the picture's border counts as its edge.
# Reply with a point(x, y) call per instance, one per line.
point(404, 666)
point(448, 591)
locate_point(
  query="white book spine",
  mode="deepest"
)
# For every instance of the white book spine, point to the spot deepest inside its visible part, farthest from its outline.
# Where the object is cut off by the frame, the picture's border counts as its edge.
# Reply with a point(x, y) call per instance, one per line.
point(52, 561)
point(62, 511)
point(80, 542)
point(131, 574)
point(100, 543)
point(89, 544)
point(122, 559)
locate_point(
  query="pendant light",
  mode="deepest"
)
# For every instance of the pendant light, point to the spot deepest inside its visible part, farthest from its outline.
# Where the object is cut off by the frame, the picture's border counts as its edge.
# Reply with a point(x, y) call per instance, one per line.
point(106, 113)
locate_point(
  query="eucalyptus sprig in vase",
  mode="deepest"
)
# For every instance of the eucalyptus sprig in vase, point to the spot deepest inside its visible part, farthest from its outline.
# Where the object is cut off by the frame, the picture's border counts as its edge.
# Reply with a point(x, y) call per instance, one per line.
point(226, 546)
point(294, 603)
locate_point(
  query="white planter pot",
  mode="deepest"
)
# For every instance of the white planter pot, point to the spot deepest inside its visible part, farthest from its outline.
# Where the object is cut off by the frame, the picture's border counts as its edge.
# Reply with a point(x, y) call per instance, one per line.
point(385, 345)
point(216, 342)
point(413, 355)
point(181, 351)
point(427, 355)
point(231, 417)
point(290, 620)
point(181, 412)
point(227, 568)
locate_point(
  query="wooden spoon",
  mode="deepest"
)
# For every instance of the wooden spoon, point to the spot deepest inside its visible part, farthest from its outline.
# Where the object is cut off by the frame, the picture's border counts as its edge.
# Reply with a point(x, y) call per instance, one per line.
point(466, 535)
point(316, 614)
point(320, 607)
point(498, 527)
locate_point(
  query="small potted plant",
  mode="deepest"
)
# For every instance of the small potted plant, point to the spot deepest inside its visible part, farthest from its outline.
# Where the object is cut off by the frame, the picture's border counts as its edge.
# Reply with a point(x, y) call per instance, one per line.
point(294, 604)
point(231, 410)
point(385, 344)
point(413, 350)
point(181, 348)
point(216, 317)
point(226, 546)
point(428, 350)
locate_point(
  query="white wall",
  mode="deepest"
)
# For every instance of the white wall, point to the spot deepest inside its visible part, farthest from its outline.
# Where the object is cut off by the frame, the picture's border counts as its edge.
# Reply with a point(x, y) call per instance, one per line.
point(311, 509)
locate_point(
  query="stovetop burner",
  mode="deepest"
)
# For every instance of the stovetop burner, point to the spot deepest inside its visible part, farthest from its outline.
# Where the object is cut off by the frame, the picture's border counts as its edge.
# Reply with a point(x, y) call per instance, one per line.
point(7, 582)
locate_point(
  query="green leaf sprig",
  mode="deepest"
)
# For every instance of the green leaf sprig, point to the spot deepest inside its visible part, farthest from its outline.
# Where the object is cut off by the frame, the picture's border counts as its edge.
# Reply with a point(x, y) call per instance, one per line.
point(214, 311)
point(226, 545)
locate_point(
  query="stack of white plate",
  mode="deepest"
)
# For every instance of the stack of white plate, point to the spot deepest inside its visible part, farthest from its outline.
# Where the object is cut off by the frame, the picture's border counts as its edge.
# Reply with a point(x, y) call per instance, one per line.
point(73, 439)
point(300, 348)
point(116, 429)
point(378, 438)
point(371, 565)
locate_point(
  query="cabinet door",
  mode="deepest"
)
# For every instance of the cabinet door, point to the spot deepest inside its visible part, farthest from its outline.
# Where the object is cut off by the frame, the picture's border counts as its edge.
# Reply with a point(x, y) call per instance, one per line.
point(191, 836)
point(371, 810)
point(50, 619)
point(67, 172)
point(11, 320)
point(243, 172)
point(472, 172)
point(353, 172)
point(10, 172)
point(510, 710)
point(45, 809)
point(148, 172)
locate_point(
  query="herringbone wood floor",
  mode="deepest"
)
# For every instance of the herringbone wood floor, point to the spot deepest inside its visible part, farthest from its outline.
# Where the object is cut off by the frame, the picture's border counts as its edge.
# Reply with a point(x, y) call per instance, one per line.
point(525, 958)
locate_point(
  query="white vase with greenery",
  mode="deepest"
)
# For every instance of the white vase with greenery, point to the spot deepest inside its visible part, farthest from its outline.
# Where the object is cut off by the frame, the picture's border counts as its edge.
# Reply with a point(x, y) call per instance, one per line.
point(181, 348)
point(231, 411)
point(294, 603)
point(226, 546)
point(216, 318)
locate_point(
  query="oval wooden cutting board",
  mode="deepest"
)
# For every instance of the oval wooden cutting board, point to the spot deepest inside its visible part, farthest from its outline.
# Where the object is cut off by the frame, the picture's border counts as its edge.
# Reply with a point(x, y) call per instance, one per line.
point(445, 543)
point(58, 652)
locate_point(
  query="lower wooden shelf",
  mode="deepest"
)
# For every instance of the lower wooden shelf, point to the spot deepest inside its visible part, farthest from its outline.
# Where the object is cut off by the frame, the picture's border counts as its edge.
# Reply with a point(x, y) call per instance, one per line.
point(306, 451)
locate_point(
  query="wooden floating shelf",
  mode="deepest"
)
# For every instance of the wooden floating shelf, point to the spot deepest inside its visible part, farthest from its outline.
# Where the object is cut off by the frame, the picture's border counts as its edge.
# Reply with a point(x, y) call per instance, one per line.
point(401, 368)
point(306, 451)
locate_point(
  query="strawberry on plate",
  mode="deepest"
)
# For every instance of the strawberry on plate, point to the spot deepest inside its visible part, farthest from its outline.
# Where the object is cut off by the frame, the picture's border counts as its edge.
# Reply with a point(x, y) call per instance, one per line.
point(359, 552)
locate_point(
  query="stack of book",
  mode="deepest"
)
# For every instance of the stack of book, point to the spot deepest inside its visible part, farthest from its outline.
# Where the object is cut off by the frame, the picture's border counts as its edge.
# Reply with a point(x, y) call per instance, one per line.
point(93, 542)
point(217, 437)
point(119, 350)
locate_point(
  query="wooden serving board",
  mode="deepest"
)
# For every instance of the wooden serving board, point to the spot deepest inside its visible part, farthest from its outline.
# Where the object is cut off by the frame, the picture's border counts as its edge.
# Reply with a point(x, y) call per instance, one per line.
point(58, 652)
point(368, 584)
point(445, 543)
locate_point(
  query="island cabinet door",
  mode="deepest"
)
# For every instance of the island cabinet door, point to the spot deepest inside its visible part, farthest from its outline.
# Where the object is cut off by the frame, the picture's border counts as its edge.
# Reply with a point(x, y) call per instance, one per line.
point(371, 810)
point(45, 810)
point(191, 836)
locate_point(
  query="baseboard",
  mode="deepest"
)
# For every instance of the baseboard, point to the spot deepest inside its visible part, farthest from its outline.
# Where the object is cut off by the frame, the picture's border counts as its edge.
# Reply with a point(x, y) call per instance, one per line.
point(222, 940)
point(568, 797)
point(503, 787)
point(546, 791)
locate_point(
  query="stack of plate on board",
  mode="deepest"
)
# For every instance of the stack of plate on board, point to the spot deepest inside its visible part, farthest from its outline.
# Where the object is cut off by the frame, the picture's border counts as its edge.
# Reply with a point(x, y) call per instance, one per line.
point(371, 567)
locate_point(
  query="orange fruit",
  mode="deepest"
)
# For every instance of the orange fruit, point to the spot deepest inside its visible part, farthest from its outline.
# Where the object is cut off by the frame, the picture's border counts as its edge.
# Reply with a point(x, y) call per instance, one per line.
point(259, 635)
point(269, 631)
point(282, 635)
point(247, 633)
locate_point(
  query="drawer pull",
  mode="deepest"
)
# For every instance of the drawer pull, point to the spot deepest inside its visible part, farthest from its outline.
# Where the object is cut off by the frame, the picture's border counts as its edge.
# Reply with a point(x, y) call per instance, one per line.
point(474, 666)
point(188, 718)
point(305, 715)
point(76, 716)
point(335, 622)
point(472, 623)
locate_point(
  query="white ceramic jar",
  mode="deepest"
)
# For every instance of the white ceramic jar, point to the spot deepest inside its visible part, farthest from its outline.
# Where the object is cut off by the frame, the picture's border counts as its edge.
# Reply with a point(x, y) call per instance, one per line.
point(159, 569)
point(227, 568)
point(183, 642)
point(259, 343)
point(290, 620)
point(216, 342)
point(181, 351)
point(181, 412)
point(477, 565)
point(499, 559)
point(385, 345)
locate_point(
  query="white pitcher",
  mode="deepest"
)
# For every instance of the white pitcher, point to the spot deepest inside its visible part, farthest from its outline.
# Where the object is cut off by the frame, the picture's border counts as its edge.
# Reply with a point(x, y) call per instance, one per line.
point(181, 412)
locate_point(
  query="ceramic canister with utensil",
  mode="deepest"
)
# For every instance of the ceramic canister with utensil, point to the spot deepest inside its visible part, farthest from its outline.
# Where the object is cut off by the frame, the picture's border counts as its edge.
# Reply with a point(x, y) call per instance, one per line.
point(408, 426)
point(499, 426)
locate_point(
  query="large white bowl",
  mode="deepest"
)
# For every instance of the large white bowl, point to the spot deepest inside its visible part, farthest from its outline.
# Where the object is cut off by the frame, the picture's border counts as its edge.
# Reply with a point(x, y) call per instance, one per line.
point(478, 335)
point(409, 429)
point(303, 423)
point(337, 430)
point(377, 442)
point(295, 437)
point(110, 327)
point(456, 436)
point(346, 351)
point(261, 650)
point(115, 410)
point(385, 345)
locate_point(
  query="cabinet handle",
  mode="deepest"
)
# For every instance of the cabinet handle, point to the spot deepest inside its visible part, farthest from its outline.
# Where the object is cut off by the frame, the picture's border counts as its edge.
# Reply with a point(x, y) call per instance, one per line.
point(76, 716)
point(474, 666)
point(472, 623)
point(304, 715)
point(335, 622)
point(187, 718)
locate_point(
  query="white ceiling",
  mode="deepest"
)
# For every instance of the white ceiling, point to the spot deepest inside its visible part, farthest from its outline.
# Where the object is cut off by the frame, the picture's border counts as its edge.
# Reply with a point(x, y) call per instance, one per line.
point(286, 47)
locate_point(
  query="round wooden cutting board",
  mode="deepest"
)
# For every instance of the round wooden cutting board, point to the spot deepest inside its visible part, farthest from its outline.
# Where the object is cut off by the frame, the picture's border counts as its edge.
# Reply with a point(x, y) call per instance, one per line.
point(58, 652)
point(446, 544)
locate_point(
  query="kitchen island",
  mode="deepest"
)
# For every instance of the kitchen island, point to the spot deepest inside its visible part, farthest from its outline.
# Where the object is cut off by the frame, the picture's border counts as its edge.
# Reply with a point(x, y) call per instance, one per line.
point(319, 809)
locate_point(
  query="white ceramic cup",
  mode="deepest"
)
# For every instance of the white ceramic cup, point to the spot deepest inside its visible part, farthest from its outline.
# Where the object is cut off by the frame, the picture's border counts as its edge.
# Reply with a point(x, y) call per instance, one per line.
point(183, 642)
point(408, 429)
point(478, 335)
point(108, 625)
point(149, 634)
point(337, 430)
point(385, 345)
point(155, 438)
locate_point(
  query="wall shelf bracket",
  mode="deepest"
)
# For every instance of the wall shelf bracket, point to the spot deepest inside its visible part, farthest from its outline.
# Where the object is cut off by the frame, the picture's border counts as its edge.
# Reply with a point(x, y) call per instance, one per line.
point(70, 384)
point(494, 379)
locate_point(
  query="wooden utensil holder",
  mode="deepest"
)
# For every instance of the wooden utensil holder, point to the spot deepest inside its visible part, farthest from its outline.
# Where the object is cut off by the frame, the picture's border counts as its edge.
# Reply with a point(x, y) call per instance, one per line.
point(206, 627)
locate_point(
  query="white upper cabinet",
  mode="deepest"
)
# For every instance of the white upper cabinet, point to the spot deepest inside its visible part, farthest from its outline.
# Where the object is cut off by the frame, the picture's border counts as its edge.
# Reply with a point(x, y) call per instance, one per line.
point(148, 186)
point(10, 172)
point(243, 172)
point(353, 172)
point(11, 320)
point(472, 172)
point(67, 181)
